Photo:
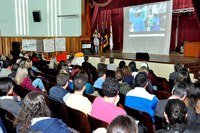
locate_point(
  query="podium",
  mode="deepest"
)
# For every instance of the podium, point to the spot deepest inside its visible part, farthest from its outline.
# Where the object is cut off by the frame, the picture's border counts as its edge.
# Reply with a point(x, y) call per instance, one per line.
point(192, 49)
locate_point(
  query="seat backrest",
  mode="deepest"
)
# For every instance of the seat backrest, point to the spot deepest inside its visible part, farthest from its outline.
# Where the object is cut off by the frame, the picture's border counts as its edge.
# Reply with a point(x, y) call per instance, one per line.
point(161, 94)
point(99, 91)
point(8, 120)
point(122, 99)
point(78, 120)
point(59, 110)
point(110, 73)
point(96, 123)
point(90, 97)
point(143, 117)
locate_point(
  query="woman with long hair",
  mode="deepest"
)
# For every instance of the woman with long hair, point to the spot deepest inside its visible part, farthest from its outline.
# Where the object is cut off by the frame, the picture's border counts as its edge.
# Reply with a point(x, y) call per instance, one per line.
point(35, 116)
point(22, 79)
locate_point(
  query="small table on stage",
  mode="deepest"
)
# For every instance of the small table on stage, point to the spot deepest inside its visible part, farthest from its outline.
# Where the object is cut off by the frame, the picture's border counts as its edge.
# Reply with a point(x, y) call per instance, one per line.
point(192, 49)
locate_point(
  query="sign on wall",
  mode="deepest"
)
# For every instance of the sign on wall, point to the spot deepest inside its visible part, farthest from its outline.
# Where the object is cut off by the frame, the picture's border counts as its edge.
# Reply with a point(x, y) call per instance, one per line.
point(29, 45)
point(48, 45)
point(60, 44)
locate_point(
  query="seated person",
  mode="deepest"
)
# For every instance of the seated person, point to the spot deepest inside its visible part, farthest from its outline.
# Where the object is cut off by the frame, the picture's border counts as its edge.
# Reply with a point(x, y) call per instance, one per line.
point(175, 115)
point(128, 78)
point(104, 108)
point(8, 102)
point(36, 116)
point(124, 86)
point(77, 100)
point(59, 91)
point(175, 75)
point(111, 66)
point(102, 65)
point(98, 83)
point(139, 99)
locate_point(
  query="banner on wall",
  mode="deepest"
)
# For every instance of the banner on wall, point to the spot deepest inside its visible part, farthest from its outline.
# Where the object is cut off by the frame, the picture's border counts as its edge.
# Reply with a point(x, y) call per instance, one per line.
point(29, 45)
point(48, 45)
point(60, 44)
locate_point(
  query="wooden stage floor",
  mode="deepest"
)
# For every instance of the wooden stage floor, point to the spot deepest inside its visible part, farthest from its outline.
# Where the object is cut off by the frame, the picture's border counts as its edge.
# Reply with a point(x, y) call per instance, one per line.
point(168, 59)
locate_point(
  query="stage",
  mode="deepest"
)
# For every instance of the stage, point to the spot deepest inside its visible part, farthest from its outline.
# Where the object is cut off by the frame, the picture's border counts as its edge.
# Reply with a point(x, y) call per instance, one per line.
point(168, 59)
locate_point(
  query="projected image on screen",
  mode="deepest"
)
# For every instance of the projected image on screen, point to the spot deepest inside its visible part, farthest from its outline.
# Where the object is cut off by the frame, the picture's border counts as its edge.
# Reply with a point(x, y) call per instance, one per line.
point(151, 17)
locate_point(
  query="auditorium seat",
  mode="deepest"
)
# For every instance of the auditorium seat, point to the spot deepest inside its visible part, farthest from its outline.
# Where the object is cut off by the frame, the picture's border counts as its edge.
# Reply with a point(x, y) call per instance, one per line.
point(78, 120)
point(99, 91)
point(8, 120)
point(90, 97)
point(110, 73)
point(96, 123)
point(160, 123)
point(59, 110)
point(161, 94)
point(143, 117)
point(122, 98)
point(20, 91)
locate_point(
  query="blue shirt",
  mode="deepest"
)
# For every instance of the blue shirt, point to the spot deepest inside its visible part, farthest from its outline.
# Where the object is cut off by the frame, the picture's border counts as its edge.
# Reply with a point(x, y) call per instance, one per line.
point(57, 93)
point(140, 99)
point(98, 83)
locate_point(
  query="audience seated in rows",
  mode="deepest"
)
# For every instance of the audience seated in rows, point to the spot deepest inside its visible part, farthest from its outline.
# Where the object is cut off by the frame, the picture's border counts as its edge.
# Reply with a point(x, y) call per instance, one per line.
point(104, 108)
point(175, 75)
point(139, 99)
point(23, 80)
point(14, 71)
point(31, 71)
point(7, 101)
point(101, 65)
point(35, 116)
point(111, 66)
point(59, 91)
point(102, 76)
point(86, 65)
point(76, 100)
point(180, 91)
point(5, 67)
point(124, 86)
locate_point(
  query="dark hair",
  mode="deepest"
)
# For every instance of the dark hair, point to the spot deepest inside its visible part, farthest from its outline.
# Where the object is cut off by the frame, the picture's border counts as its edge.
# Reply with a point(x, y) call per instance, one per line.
point(15, 67)
point(33, 106)
point(122, 64)
point(141, 79)
point(6, 84)
point(194, 94)
point(180, 89)
point(111, 60)
point(83, 74)
point(132, 65)
point(177, 67)
point(65, 67)
point(176, 112)
point(123, 124)
point(101, 73)
point(86, 58)
point(62, 79)
point(119, 75)
point(79, 82)
point(110, 87)
point(75, 71)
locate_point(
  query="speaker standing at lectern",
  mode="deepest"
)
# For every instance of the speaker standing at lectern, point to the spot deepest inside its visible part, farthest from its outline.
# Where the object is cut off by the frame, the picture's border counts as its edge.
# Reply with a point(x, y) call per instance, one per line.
point(96, 41)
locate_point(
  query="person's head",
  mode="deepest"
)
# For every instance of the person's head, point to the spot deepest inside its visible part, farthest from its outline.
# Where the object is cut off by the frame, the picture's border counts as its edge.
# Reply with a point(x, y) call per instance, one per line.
point(102, 59)
point(86, 58)
point(65, 67)
point(6, 86)
point(15, 66)
point(79, 82)
point(185, 75)
point(111, 60)
point(194, 95)
point(62, 79)
point(110, 87)
point(178, 66)
point(123, 124)
point(132, 65)
point(144, 69)
point(145, 64)
point(22, 72)
point(180, 89)
point(74, 71)
point(126, 70)
point(102, 74)
point(141, 80)
point(83, 74)
point(33, 106)
point(26, 55)
point(119, 75)
point(122, 64)
point(28, 63)
point(175, 113)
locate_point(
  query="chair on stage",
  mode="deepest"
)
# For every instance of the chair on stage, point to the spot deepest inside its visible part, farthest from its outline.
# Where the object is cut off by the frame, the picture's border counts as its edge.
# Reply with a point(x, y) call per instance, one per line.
point(78, 120)
point(8, 120)
point(143, 117)
point(96, 123)
point(59, 110)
